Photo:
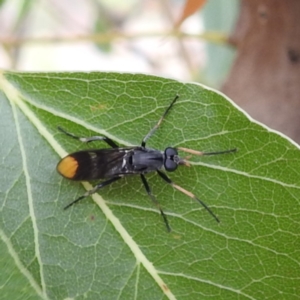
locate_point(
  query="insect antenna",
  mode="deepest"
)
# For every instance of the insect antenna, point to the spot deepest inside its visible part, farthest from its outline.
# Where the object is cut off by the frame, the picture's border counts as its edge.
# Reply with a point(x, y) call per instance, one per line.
point(200, 153)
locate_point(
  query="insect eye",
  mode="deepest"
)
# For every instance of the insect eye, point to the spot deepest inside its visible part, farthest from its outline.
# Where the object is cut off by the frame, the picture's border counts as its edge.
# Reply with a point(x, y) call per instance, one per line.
point(170, 165)
point(170, 152)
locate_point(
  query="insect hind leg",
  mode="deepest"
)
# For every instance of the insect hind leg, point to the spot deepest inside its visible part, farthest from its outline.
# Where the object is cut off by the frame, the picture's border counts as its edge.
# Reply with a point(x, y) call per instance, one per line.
point(107, 140)
point(93, 190)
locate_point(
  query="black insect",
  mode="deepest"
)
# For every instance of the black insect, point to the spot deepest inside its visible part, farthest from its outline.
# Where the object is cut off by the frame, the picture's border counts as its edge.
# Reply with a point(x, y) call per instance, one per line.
point(115, 162)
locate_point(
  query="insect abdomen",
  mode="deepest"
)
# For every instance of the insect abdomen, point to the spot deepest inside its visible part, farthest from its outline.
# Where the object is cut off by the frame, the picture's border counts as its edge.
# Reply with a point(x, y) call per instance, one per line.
point(81, 166)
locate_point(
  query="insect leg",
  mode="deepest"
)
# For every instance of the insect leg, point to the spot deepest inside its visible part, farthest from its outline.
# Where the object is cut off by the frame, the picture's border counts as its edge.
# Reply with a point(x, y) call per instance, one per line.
point(93, 190)
point(90, 139)
point(150, 133)
point(148, 190)
point(179, 188)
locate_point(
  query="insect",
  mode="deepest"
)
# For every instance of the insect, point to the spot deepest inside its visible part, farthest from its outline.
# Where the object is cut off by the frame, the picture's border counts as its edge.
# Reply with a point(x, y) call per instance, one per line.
point(114, 163)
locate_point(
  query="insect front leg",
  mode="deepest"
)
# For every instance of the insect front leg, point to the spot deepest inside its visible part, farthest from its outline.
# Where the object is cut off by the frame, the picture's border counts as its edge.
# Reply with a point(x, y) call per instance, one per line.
point(107, 140)
point(184, 191)
point(150, 133)
point(93, 190)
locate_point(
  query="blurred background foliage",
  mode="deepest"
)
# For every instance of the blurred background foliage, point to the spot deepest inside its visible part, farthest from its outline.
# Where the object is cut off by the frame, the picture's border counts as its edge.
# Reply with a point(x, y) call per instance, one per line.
point(123, 36)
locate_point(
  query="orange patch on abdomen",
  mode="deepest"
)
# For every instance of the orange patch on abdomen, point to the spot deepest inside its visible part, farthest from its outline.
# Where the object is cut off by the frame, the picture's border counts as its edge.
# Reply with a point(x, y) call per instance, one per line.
point(67, 167)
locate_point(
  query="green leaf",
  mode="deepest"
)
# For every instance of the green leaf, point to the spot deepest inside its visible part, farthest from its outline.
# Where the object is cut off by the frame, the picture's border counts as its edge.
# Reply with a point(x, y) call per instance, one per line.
point(114, 244)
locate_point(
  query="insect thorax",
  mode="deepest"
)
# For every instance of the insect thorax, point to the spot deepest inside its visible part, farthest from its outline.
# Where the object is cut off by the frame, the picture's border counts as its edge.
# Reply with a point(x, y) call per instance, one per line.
point(144, 160)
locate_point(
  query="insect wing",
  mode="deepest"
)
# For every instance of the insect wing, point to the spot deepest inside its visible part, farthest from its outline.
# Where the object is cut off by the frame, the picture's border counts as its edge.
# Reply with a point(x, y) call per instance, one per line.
point(91, 164)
